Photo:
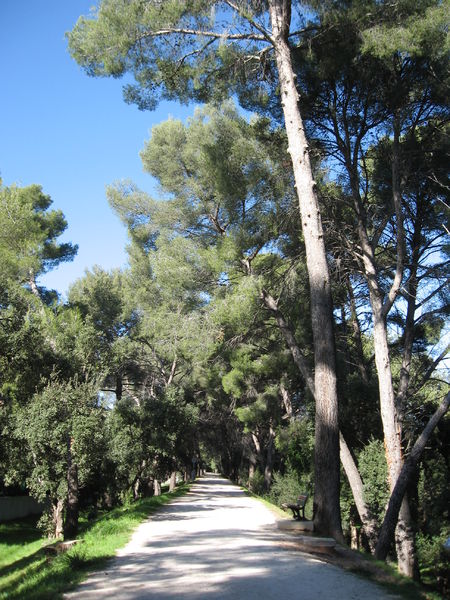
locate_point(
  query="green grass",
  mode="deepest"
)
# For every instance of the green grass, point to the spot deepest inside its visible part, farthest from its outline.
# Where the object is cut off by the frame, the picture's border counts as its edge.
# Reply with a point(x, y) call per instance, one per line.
point(26, 572)
point(273, 507)
point(387, 576)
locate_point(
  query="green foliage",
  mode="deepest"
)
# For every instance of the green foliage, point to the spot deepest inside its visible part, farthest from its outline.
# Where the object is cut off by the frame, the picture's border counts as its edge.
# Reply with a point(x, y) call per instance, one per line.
point(288, 486)
point(373, 470)
point(434, 562)
point(296, 445)
point(235, 311)
point(63, 413)
point(101, 299)
point(433, 493)
point(28, 234)
point(414, 29)
point(108, 43)
point(256, 483)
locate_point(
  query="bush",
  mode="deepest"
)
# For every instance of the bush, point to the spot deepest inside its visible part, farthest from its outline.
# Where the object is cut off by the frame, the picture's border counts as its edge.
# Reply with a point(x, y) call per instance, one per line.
point(434, 563)
point(288, 486)
point(373, 469)
point(256, 484)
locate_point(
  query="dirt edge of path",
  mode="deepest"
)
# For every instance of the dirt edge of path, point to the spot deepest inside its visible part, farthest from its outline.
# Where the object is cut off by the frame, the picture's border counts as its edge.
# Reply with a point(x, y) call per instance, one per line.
point(358, 564)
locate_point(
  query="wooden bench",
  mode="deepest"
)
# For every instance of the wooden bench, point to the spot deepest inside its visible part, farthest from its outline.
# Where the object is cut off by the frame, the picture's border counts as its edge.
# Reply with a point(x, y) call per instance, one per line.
point(298, 508)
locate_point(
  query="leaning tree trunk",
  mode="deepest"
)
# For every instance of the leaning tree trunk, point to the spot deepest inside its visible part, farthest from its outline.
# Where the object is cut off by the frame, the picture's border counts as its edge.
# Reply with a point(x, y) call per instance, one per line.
point(392, 430)
point(395, 501)
point(326, 460)
point(354, 478)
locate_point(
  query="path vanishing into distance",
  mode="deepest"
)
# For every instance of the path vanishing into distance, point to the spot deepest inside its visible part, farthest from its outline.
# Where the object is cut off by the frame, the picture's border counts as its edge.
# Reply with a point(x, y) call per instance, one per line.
point(217, 543)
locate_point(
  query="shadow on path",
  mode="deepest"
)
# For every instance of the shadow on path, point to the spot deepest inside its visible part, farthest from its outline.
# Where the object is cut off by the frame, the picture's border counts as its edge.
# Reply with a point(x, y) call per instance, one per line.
point(217, 543)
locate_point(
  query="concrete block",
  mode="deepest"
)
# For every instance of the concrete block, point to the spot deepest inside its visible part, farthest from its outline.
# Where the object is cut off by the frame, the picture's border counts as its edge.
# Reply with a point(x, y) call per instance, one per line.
point(293, 525)
point(316, 544)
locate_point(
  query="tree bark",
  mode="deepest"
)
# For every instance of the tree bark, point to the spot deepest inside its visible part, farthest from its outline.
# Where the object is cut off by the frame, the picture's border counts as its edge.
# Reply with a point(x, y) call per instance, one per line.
point(395, 501)
point(327, 519)
point(57, 518)
point(287, 403)
point(173, 481)
point(251, 472)
point(388, 407)
point(257, 446)
point(156, 488)
point(348, 463)
point(357, 334)
point(71, 520)
point(269, 460)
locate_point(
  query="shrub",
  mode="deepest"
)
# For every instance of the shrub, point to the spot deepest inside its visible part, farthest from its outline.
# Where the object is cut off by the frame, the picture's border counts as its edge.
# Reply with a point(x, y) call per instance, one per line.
point(256, 483)
point(373, 469)
point(288, 486)
point(434, 563)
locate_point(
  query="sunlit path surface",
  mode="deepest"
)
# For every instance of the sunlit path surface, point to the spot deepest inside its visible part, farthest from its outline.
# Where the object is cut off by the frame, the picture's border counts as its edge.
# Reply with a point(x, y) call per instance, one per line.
point(217, 543)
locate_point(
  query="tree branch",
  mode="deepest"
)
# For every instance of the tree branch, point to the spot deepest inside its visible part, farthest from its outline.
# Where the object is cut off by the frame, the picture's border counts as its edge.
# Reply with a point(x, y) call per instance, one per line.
point(250, 20)
point(216, 35)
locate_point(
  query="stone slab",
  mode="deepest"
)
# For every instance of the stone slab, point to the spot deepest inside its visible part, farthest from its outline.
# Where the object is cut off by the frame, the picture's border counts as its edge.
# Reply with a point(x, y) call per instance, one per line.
point(293, 525)
point(316, 544)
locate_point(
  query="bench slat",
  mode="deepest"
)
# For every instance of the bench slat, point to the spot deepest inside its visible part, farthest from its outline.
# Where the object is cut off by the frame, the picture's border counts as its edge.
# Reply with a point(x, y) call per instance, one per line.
point(296, 508)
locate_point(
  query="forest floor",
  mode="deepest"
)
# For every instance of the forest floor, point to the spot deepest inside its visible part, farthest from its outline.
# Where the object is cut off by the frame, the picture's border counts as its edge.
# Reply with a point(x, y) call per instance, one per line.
point(218, 543)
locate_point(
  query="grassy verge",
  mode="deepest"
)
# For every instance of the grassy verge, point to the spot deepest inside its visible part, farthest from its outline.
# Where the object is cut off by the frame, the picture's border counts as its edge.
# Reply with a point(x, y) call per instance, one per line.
point(26, 572)
point(273, 507)
point(386, 575)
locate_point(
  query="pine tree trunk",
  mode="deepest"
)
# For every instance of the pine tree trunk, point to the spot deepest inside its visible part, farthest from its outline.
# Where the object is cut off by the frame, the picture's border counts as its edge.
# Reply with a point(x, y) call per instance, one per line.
point(389, 410)
point(258, 451)
point(348, 463)
point(404, 536)
point(71, 520)
point(327, 518)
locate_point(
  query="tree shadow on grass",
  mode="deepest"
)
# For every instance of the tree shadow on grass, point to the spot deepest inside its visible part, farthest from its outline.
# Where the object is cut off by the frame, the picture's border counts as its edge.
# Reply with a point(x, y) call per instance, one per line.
point(21, 564)
point(39, 576)
point(20, 531)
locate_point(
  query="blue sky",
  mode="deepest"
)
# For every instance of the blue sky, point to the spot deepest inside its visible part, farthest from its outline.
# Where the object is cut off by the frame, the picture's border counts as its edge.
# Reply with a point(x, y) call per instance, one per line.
point(68, 132)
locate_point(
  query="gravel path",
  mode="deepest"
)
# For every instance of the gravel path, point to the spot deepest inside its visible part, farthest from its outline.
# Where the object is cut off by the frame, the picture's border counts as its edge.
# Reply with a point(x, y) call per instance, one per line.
point(217, 543)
